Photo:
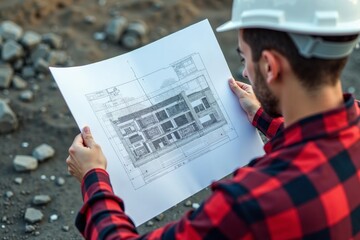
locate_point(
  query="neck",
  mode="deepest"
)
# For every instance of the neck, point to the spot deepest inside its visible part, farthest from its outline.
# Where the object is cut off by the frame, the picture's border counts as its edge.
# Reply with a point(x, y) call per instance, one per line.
point(301, 103)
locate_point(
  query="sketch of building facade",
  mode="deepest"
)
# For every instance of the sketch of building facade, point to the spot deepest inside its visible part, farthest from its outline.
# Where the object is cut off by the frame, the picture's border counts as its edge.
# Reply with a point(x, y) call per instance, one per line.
point(161, 121)
point(159, 129)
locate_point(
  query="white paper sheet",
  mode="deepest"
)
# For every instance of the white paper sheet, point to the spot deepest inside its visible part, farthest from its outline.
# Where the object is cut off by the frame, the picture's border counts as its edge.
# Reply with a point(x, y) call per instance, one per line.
point(165, 117)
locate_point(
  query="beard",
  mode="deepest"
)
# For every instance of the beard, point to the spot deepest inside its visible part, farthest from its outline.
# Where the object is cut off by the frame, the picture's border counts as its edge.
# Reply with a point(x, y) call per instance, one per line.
point(267, 99)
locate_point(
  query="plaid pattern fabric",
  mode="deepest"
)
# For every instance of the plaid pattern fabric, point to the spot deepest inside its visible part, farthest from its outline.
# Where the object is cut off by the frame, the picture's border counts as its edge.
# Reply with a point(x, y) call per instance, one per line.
point(307, 186)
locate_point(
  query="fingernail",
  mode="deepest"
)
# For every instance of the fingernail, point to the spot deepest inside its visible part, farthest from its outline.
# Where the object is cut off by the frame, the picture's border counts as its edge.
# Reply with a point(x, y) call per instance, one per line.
point(86, 130)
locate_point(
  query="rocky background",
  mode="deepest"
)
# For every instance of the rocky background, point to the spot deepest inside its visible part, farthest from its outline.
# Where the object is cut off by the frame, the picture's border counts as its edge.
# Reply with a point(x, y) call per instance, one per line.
point(38, 198)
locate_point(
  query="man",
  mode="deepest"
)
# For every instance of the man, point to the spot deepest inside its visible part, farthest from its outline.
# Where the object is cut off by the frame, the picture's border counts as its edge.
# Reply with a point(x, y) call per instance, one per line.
point(307, 184)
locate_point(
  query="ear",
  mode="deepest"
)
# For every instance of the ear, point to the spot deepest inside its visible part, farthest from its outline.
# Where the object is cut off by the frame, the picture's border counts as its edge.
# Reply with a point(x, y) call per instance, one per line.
point(270, 66)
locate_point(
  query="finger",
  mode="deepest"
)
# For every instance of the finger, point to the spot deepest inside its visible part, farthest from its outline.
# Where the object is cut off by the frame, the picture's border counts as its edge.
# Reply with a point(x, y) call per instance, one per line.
point(243, 85)
point(87, 137)
point(68, 159)
point(78, 142)
point(238, 90)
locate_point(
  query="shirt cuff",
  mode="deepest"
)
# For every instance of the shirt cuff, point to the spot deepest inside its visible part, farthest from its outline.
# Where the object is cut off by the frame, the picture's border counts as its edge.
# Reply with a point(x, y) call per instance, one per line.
point(94, 181)
point(257, 116)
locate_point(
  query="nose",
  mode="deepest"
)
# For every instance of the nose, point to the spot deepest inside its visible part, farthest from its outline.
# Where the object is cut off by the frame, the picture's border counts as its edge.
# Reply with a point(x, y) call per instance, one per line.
point(244, 73)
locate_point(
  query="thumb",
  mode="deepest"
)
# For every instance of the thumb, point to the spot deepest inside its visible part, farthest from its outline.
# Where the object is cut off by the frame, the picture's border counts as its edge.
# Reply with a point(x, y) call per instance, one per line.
point(239, 92)
point(88, 138)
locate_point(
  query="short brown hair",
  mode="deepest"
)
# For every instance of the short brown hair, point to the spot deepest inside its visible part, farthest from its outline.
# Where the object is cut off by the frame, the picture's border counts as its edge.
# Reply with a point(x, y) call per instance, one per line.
point(313, 72)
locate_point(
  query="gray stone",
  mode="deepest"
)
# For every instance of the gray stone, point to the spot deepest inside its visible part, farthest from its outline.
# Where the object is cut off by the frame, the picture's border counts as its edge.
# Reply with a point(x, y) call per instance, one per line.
point(65, 228)
point(24, 163)
point(160, 217)
point(60, 181)
point(8, 119)
point(19, 83)
point(115, 28)
point(28, 72)
point(41, 199)
point(11, 51)
point(150, 224)
point(9, 194)
point(41, 51)
point(18, 64)
point(54, 217)
point(18, 180)
point(135, 35)
point(27, 96)
point(41, 65)
point(195, 205)
point(57, 58)
point(6, 74)
point(53, 40)
point(29, 228)
point(31, 39)
point(43, 152)
point(10, 30)
point(188, 203)
point(33, 215)
point(90, 19)
point(99, 36)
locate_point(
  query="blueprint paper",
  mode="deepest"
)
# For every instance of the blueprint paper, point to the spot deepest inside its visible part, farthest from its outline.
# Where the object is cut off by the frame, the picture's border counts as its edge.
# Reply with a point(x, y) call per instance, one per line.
point(165, 118)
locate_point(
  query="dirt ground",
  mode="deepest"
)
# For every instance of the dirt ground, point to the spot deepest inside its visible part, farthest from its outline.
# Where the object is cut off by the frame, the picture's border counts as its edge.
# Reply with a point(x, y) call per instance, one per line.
point(48, 120)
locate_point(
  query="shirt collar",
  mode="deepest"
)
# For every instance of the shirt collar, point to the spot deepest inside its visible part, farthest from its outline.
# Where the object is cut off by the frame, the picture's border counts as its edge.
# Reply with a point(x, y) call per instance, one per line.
point(315, 126)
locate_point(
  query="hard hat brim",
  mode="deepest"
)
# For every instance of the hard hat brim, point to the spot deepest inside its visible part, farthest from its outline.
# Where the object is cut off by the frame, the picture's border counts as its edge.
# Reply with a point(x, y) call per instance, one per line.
point(227, 26)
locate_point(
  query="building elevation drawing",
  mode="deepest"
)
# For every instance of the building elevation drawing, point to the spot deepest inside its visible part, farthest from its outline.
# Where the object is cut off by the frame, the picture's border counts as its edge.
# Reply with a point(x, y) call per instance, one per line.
point(163, 120)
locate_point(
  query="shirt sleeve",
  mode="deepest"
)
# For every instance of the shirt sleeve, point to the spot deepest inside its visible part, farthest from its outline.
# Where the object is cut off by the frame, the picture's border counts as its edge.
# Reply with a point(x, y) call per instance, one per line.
point(102, 216)
point(267, 125)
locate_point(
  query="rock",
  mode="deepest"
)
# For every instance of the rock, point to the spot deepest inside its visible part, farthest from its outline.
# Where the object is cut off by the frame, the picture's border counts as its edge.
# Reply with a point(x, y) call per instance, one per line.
point(115, 28)
point(6, 74)
point(27, 96)
point(41, 65)
point(99, 36)
point(57, 58)
point(28, 72)
point(53, 40)
point(18, 180)
point(30, 39)
point(60, 181)
point(18, 64)
point(9, 194)
point(54, 218)
point(19, 83)
point(11, 51)
point(188, 203)
point(8, 119)
point(65, 228)
point(135, 35)
point(90, 19)
point(41, 199)
point(160, 217)
point(43, 152)
point(150, 224)
point(33, 215)
point(24, 163)
point(10, 31)
point(195, 205)
point(29, 228)
point(41, 51)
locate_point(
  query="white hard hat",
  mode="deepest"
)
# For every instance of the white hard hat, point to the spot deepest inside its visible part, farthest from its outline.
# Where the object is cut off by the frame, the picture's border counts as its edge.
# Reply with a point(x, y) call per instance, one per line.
point(300, 17)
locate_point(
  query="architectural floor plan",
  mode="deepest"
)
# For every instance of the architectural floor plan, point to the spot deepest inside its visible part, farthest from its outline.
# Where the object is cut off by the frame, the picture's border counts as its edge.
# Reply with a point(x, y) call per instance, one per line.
point(172, 116)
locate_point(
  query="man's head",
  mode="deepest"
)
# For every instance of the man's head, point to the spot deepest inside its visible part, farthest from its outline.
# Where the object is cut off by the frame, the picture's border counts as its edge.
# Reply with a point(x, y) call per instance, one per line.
point(312, 43)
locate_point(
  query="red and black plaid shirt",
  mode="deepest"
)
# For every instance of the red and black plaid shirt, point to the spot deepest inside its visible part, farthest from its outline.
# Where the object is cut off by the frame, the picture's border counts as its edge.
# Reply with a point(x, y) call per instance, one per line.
point(306, 186)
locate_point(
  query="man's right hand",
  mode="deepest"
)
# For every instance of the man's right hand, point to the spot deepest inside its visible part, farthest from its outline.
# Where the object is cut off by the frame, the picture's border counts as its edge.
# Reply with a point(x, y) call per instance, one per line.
point(246, 96)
